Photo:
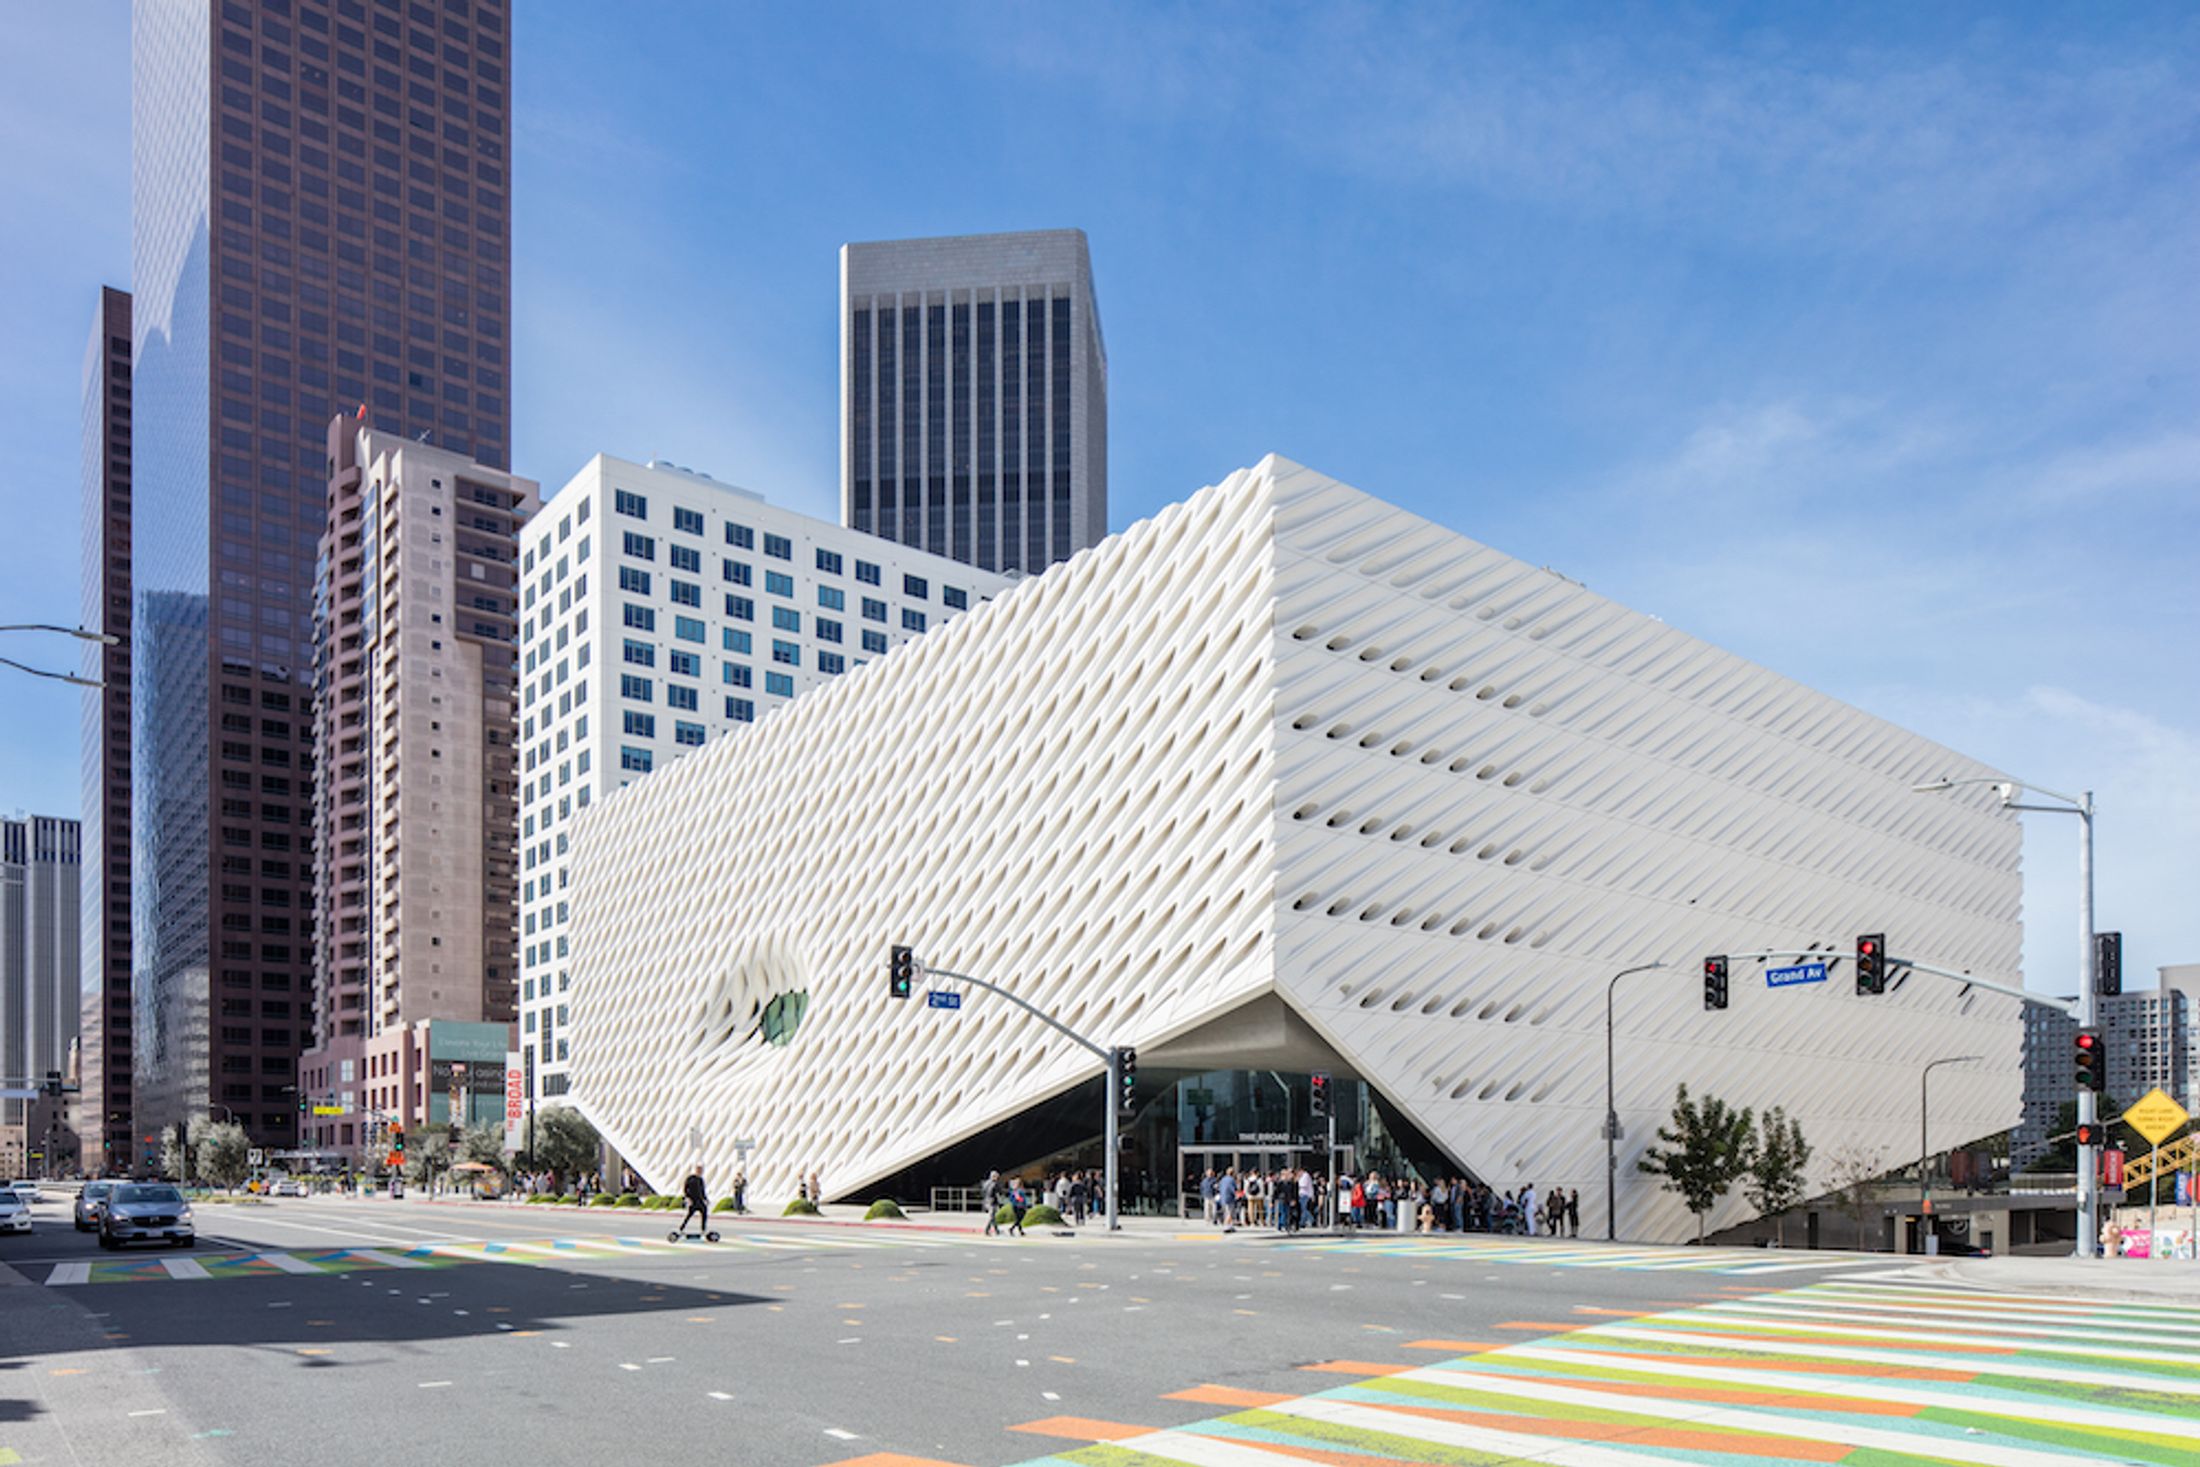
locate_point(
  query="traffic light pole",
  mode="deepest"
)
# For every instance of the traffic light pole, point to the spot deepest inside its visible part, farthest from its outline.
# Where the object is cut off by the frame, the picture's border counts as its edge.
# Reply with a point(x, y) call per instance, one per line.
point(1611, 1111)
point(1107, 1058)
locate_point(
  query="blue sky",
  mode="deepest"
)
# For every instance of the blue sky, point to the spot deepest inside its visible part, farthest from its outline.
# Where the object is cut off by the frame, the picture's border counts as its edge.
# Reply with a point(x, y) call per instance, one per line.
point(1865, 343)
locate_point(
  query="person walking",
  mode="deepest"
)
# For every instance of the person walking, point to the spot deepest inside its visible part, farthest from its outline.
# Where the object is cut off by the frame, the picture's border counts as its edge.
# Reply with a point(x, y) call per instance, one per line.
point(698, 1200)
point(1018, 1205)
point(989, 1196)
point(1573, 1212)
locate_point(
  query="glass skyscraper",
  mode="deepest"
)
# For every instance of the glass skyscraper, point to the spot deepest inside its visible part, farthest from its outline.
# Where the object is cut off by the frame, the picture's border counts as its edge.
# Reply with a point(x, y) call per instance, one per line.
point(321, 224)
point(974, 397)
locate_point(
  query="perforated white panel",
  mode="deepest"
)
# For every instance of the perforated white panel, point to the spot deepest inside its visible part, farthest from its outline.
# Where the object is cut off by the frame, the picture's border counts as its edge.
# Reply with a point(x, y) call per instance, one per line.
point(1284, 735)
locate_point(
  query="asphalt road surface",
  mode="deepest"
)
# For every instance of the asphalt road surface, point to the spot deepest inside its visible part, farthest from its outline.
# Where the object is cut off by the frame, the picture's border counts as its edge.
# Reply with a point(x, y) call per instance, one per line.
point(337, 1332)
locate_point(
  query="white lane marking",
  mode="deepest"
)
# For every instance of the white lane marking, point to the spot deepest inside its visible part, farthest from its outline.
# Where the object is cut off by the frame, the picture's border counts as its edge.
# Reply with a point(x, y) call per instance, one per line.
point(839, 1435)
point(433, 1385)
point(624, 1366)
point(659, 1360)
point(1052, 1395)
point(288, 1264)
point(69, 1273)
point(154, 1411)
point(718, 1395)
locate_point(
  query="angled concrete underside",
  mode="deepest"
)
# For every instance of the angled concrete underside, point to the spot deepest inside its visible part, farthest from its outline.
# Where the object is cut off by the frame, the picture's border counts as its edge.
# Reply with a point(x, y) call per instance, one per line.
point(1287, 746)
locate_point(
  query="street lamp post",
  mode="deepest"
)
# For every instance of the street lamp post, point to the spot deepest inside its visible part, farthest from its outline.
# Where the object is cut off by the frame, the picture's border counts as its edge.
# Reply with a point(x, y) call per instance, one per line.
point(104, 639)
point(2080, 805)
point(1925, 1154)
point(1611, 1111)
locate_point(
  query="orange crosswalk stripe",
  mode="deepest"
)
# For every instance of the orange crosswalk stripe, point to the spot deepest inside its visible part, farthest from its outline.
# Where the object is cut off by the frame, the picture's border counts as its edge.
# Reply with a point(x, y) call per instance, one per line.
point(1359, 1367)
point(1222, 1395)
point(891, 1459)
point(1456, 1347)
point(1082, 1429)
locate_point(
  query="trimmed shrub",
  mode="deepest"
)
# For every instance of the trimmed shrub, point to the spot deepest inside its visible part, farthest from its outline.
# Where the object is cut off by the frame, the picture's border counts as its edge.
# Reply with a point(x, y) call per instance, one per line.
point(603, 1199)
point(800, 1207)
point(884, 1207)
point(627, 1199)
point(723, 1204)
point(1042, 1216)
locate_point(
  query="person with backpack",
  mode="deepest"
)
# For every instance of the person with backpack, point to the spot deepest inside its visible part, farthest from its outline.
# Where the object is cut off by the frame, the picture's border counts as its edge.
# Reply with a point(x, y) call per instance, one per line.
point(1018, 1204)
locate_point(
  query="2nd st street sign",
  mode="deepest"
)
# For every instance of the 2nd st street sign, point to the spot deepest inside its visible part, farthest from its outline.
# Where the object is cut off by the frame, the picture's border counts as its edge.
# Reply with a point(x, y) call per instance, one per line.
point(940, 998)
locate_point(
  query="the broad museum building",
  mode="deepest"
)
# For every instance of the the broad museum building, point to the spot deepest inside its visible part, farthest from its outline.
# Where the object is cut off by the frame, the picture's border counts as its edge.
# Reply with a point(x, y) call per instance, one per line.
point(1285, 782)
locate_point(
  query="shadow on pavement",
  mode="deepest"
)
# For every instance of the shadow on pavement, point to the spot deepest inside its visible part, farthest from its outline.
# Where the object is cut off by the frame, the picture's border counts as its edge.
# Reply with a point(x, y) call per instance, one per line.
point(447, 1302)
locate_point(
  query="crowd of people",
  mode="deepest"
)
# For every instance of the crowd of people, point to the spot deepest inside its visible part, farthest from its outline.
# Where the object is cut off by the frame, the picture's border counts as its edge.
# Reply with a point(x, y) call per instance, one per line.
point(1296, 1197)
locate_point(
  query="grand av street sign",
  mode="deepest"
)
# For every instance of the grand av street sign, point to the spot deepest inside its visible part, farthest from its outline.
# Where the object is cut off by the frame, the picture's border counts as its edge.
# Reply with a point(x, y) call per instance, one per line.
point(2155, 1116)
point(1798, 973)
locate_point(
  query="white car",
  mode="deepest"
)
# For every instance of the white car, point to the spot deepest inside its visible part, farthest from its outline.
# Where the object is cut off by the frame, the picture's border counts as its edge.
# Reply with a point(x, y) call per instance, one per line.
point(15, 1213)
point(288, 1187)
point(25, 1189)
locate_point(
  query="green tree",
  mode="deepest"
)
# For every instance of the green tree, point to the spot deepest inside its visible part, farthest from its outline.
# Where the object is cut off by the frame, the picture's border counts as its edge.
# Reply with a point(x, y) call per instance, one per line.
point(1856, 1170)
point(483, 1143)
point(565, 1143)
point(427, 1153)
point(177, 1148)
point(1778, 1165)
point(223, 1153)
point(1705, 1149)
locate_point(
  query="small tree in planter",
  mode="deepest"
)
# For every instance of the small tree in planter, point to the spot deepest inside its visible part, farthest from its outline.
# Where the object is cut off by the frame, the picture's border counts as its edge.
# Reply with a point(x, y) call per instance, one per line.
point(1778, 1164)
point(1705, 1148)
point(1854, 1171)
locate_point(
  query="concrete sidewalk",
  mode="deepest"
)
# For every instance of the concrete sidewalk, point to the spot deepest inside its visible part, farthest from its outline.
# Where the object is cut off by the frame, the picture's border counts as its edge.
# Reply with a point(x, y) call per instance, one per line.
point(2159, 1280)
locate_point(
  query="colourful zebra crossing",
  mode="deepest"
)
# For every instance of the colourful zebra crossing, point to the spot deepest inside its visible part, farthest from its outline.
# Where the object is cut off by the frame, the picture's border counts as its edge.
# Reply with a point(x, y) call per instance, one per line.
point(1867, 1374)
point(1557, 1253)
point(268, 1263)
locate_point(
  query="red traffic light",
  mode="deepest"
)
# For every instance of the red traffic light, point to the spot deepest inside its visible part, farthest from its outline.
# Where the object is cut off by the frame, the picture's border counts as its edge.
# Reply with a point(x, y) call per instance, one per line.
point(2089, 1041)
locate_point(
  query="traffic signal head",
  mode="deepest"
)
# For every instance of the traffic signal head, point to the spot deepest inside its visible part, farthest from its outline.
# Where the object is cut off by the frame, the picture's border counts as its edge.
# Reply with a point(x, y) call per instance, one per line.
point(901, 972)
point(2108, 963)
point(2092, 1061)
point(1871, 963)
point(397, 1139)
point(1714, 983)
point(1318, 1088)
point(2089, 1133)
point(1126, 1079)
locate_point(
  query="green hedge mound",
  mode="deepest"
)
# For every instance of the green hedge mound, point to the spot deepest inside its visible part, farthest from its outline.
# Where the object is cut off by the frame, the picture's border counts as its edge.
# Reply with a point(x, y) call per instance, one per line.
point(603, 1199)
point(723, 1204)
point(1042, 1216)
point(885, 1207)
point(800, 1207)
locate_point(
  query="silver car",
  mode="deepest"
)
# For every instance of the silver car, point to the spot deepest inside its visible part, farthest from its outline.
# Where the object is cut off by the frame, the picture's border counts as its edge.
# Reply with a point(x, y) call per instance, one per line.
point(89, 1202)
point(15, 1213)
point(146, 1212)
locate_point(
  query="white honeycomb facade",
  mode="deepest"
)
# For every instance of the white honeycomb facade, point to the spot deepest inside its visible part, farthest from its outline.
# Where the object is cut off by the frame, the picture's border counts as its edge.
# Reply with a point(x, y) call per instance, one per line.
point(1285, 739)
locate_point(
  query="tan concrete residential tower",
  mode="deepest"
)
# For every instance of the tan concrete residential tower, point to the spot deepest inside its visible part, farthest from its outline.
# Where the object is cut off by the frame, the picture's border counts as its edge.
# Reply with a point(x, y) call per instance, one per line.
point(416, 682)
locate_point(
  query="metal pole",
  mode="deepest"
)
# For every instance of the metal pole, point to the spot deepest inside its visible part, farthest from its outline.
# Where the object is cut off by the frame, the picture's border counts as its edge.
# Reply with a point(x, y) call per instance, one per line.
point(1331, 1195)
point(1611, 1111)
point(1111, 1100)
point(2088, 1015)
point(1925, 1155)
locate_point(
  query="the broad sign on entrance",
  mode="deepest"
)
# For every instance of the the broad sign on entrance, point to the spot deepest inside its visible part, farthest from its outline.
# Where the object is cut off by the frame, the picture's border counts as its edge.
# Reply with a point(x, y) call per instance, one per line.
point(2155, 1116)
point(940, 998)
point(1797, 973)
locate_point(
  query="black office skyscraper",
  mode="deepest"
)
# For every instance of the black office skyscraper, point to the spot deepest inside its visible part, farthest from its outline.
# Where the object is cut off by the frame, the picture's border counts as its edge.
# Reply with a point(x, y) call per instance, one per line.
point(321, 219)
point(974, 396)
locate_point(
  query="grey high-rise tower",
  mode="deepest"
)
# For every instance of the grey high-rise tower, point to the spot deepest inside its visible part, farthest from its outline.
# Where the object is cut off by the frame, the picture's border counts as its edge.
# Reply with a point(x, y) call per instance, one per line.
point(321, 215)
point(974, 396)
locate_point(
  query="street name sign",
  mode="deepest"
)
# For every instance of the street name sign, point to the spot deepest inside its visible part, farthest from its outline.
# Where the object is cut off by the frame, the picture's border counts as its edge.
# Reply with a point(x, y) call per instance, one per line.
point(1798, 973)
point(940, 998)
point(2155, 1116)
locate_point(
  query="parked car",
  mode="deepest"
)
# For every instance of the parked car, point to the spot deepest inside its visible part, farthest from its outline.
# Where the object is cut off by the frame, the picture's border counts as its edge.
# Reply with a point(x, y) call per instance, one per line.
point(15, 1213)
point(89, 1202)
point(146, 1212)
point(26, 1189)
point(288, 1187)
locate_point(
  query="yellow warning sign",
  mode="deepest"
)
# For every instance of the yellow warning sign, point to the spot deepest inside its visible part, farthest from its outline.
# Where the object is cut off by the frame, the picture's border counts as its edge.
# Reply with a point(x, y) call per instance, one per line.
point(2155, 1116)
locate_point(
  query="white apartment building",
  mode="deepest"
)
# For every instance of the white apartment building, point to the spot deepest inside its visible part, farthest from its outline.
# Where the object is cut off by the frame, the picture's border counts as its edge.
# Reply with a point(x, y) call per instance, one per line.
point(659, 608)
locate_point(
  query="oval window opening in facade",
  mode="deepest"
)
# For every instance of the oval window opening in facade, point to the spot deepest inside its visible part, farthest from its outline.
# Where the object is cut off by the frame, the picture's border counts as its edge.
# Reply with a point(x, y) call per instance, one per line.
point(782, 1016)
